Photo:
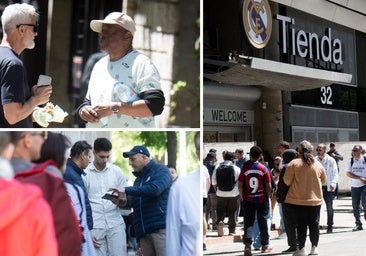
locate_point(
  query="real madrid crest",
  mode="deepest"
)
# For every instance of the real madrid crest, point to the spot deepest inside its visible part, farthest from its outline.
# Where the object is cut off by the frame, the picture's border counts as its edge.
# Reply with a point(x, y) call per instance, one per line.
point(257, 19)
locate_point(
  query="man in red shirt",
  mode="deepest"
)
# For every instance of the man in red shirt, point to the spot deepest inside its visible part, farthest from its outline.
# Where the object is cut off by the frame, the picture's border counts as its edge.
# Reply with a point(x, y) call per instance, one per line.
point(254, 190)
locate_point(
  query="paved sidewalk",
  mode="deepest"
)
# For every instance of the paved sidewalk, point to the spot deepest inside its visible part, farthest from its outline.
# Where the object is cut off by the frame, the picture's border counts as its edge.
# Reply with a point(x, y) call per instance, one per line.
point(341, 242)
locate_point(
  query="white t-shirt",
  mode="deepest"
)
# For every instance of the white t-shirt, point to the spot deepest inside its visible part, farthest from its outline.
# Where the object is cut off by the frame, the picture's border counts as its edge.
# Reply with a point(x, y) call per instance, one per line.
point(358, 168)
point(122, 81)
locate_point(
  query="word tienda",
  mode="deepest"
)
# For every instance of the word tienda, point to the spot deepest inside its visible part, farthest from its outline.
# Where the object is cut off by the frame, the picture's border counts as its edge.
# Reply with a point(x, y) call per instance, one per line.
point(310, 45)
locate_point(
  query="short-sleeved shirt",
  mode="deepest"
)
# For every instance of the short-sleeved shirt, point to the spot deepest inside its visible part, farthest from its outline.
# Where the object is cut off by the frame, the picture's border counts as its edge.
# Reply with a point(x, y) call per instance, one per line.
point(254, 177)
point(122, 81)
point(358, 168)
point(14, 86)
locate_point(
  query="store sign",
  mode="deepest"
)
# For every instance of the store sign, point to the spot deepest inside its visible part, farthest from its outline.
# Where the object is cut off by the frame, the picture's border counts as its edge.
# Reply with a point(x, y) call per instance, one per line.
point(309, 44)
point(228, 116)
point(257, 20)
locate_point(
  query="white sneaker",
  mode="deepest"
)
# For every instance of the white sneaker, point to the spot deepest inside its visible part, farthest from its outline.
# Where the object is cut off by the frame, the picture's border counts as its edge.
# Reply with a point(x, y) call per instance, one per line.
point(300, 252)
point(314, 250)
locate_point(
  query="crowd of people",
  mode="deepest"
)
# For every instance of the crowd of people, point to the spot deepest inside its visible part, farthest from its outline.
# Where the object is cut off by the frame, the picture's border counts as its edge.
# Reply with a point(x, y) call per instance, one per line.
point(85, 205)
point(297, 180)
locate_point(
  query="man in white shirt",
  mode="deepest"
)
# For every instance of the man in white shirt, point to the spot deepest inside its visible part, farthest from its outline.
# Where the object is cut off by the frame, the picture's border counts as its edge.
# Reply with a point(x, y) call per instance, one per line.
point(183, 214)
point(356, 170)
point(226, 200)
point(109, 235)
point(331, 169)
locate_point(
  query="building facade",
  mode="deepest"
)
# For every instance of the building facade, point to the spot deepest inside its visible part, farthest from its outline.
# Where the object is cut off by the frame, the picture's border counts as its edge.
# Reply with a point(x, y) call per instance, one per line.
point(284, 70)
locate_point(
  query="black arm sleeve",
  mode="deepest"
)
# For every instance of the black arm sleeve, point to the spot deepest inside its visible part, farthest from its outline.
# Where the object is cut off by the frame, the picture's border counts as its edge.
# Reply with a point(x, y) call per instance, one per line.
point(86, 102)
point(154, 100)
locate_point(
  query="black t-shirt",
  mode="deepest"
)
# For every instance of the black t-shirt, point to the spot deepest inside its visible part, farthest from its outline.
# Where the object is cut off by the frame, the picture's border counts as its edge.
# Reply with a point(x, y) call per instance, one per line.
point(14, 85)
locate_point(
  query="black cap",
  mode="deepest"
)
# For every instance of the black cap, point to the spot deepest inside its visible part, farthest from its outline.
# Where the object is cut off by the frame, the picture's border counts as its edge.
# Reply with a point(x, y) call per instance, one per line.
point(288, 155)
point(137, 149)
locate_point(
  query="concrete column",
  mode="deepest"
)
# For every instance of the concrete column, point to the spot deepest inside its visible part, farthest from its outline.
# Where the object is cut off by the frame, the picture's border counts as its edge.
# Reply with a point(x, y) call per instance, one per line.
point(271, 120)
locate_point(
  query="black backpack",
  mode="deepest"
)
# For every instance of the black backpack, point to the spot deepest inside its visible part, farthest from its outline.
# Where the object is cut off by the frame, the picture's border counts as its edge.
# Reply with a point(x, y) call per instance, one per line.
point(225, 177)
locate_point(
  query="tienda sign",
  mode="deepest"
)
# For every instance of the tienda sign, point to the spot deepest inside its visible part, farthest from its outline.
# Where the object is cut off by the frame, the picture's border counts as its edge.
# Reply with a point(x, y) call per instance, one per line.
point(310, 45)
point(257, 21)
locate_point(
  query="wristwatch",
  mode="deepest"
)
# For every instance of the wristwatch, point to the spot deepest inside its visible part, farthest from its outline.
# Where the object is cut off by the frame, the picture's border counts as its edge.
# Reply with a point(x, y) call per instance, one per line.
point(115, 108)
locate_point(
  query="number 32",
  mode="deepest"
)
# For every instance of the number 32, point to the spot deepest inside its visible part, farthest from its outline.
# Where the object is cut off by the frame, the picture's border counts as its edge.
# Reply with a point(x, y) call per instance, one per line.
point(326, 95)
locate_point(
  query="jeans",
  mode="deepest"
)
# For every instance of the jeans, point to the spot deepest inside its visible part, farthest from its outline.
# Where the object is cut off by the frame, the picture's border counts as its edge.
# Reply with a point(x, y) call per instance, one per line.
point(358, 195)
point(211, 208)
point(257, 242)
point(261, 210)
point(328, 198)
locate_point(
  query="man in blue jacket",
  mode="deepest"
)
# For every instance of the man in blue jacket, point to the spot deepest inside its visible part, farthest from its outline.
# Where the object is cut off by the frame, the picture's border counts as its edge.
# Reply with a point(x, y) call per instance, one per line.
point(80, 157)
point(150, 198)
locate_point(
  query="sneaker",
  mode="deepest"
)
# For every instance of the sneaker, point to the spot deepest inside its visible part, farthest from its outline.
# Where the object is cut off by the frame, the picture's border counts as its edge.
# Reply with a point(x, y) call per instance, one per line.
point(266, 248)
point(232, 233)
point(220, 229)
point(291, 249)
point(314, 250)
point(300, 252)
point(248, 250)
point(357, 228)
point(330, 230)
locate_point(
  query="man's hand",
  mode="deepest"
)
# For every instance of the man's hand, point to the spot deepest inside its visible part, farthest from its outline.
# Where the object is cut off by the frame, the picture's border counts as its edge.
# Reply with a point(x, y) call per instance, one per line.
point(103, 110)
point(95, 242)
point(121, 192)
point(42, 94)
point(89, 115)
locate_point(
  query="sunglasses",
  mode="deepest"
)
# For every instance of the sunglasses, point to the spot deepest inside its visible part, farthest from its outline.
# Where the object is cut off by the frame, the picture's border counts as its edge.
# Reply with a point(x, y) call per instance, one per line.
point(44, 134)
point(35, 27)
point(355, 150)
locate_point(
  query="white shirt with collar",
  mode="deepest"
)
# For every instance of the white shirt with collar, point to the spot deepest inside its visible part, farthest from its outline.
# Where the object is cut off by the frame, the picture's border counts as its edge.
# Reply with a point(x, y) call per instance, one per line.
point(105, 213)
point(331, 169)
point(235, 190)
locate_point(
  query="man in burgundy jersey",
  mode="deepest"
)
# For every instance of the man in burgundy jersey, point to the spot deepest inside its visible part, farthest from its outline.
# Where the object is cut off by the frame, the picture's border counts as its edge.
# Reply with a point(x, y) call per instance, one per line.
point(254, 189)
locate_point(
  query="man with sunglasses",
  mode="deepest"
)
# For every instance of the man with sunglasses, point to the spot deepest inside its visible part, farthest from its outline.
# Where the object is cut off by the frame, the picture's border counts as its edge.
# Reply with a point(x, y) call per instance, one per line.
point(331, 169)
point(356, 170)
point(108, 231)
point(18, 100)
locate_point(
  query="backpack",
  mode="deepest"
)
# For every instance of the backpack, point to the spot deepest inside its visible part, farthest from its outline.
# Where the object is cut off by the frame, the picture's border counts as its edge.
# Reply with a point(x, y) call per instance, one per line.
point(364, 158)
point(225, 177)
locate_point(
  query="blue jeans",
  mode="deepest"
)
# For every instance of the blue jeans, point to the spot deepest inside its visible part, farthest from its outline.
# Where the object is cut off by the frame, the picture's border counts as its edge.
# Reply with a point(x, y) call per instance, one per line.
point(328, 198)
point(257, 242)
point(261, 211)
point(358, 195)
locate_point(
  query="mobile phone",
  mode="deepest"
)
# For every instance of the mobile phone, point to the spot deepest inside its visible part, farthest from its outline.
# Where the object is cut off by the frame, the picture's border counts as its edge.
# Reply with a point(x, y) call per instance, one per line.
point(44, 80)
point(109, 196)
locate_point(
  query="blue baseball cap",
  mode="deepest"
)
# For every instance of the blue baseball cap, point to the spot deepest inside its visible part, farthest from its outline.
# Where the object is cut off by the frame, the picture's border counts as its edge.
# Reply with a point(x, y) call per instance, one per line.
point(135, 150)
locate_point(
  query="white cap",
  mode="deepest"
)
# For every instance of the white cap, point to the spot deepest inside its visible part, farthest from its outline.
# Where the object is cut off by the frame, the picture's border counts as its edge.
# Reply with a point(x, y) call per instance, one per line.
point(118, 18)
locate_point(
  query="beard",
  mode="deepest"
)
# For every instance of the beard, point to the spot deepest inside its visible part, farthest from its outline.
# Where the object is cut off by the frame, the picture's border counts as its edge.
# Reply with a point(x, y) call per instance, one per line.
point(31, 45)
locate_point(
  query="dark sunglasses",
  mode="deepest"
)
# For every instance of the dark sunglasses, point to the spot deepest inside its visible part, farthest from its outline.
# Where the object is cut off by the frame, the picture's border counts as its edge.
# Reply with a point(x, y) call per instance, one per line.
point(35, 27)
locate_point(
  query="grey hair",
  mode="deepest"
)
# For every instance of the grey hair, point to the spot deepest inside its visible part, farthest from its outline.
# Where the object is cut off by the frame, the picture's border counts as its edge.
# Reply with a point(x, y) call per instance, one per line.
point(16, 14)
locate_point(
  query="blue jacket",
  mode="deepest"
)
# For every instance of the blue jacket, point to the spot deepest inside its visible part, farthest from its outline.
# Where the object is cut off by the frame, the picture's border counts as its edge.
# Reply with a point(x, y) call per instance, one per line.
point(150, 198)
point(73, 176)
